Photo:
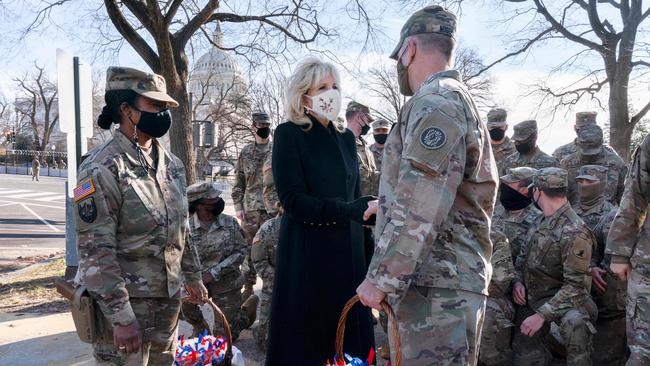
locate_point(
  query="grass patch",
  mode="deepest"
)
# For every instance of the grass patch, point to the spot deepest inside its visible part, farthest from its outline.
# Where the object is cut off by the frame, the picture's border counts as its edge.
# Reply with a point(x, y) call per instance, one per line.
point(33, 291)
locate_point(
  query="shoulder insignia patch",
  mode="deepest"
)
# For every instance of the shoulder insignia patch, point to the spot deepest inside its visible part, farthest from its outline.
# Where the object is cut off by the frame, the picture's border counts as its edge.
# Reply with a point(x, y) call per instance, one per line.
point(87, 210)
point(433, 138)
point(84, 189)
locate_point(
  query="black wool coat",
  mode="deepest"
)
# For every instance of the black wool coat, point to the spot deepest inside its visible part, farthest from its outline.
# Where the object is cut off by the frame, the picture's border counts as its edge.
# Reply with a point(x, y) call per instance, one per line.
point(320, 257)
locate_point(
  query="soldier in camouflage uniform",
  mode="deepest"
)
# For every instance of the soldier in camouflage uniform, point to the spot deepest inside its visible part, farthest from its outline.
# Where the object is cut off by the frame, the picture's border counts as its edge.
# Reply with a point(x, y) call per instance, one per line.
point(555, 280)
point(220, 243)
point(380, 130)
point(502, 145)
point(582, 119)
point(131, 222)
point(247, 192)
point(437, 192)
point(36, 168)
point(517, 215)
point(269, 192)
point(591, 151)
point(608, 292)
point(263, 252)
point(499, 311)
point(628, 243)
point(528, 153)
point(358, 120)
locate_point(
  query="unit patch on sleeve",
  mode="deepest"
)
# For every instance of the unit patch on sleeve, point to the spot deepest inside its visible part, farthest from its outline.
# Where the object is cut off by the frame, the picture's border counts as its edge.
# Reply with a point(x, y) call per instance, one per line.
point(87, 210)
point(433, 138)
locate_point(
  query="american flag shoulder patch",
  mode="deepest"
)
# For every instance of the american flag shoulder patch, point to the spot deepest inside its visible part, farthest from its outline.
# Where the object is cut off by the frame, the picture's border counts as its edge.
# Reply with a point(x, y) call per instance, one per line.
point(84, 189)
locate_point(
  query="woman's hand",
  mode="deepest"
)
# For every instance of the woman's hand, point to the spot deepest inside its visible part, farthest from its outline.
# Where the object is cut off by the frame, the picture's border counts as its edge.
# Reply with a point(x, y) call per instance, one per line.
point(370, 295)
point(373, 207)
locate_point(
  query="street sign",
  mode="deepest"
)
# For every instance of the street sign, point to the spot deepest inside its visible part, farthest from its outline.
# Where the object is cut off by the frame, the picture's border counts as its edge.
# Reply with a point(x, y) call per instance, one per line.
point(65, 83)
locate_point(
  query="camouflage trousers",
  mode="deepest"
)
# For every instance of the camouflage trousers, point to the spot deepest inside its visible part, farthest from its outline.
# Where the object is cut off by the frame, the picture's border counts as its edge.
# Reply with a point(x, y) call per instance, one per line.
point(497, 332)
point(638, 319)
point(158, 319)
point(252, 223)
point(610, 326)
point(576, 331)
point(439, 326)
point(261, 332)
point(230, 304)
point(35, 174)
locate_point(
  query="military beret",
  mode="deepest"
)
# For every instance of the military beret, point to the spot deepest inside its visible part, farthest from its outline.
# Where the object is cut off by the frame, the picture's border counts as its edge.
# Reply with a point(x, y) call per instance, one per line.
point(432, 19)
point(202, 190)
point(550, 178)
point(524, 130)
point(496, 117)
point(262, 117)
point(148, 85)
point(381, 123)
point(585, 118)
point(354, 106)
point(518, 174)
point(590, 140)
point(592, 172)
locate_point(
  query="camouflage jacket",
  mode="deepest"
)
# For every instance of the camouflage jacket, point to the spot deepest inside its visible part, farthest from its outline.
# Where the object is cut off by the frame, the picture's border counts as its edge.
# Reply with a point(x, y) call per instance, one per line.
point(378, 154)
point(616, 171)
point(556, 270)
point(538, 160)
point(503, 271)
point(368, 172)
point(221, 249)
point(503, 150)
point(598, 218)
point(131, 227)
point(629, 237)
point(515, 226)
point(36, 164)
point(269, 192)
point(265, 244)
point(436, 196)
point(247, 190)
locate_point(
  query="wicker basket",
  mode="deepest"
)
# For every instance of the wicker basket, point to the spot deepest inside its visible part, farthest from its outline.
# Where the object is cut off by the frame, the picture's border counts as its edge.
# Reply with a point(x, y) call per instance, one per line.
point(394, 330)
point(227, 361)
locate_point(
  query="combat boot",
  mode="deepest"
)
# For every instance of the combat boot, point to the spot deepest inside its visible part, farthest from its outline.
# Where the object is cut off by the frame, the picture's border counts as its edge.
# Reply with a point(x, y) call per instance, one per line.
point(250, 309)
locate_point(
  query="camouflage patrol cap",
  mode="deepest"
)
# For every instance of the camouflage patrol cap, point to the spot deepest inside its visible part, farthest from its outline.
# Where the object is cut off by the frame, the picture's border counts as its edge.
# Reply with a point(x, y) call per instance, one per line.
point(550, 178)
point(590, 140)
point(381, 123)
point(518, 174)
point(496, 117)
point(260, 117)
point(524, 130)
point(202, 190)
point(592, 172)
point(432, 19)
point(585, 118)
point(355, 106)
point(152, 86)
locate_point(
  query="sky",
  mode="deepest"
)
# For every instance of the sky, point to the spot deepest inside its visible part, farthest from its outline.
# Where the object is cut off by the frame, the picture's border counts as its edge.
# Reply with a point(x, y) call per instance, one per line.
point(480, 27)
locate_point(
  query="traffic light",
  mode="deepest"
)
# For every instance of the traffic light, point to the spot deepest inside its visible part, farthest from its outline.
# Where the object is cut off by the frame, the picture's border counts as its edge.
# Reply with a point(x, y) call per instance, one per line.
point(13, 137)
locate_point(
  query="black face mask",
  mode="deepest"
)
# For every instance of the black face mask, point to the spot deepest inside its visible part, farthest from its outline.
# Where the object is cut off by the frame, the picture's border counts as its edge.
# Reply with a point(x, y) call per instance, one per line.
point(263, 132)
point(497, 134)
point(218, 207)
point(380, 138)
point(525, 147)
point(155, 125)
point(511, 199)
point(365, 129)
point(531, 196)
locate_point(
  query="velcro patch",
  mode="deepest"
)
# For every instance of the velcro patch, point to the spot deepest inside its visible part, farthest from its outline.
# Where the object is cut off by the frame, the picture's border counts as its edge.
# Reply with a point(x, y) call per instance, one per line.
point(87, 210)
point(84, 189)
point(433, 138)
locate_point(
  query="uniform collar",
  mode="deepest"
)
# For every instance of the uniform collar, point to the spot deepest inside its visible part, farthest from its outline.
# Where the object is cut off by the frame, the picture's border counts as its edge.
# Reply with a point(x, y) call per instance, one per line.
point(129, 149)
point(196, 223)
point(553, 219)
point(442, 74)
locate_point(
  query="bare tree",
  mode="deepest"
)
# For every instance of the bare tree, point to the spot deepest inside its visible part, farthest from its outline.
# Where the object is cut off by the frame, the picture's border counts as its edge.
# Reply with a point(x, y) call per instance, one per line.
point(37, 103)
point(470, 65)
point(607, 29)
point(268, 95)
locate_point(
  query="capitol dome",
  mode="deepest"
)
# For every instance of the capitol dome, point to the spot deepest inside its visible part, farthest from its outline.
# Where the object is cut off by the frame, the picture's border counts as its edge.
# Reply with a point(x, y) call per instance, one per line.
point(215, 74)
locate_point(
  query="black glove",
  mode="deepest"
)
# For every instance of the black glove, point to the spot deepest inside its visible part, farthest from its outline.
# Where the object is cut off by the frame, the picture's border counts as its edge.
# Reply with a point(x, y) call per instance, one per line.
point(354, 210)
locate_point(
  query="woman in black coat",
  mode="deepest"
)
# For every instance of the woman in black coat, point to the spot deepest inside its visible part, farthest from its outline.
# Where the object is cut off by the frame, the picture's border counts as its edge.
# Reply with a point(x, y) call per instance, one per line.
point(320, 257)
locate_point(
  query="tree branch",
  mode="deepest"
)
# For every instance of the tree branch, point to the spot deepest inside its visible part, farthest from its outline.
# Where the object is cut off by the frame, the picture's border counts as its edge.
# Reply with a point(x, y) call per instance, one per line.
point(126, 30)
point(183, 35)
point(171, 11)
point(560, 28)
point(235, 18)
point(637, 117)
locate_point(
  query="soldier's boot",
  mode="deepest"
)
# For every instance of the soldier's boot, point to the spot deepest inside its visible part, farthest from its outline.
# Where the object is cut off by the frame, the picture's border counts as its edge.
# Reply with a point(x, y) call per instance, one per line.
point(384, 352)
point(250, 309)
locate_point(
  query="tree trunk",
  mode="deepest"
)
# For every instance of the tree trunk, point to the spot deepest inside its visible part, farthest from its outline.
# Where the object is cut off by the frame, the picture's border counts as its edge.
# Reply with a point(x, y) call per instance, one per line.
point(180, 135)
point(620, 132)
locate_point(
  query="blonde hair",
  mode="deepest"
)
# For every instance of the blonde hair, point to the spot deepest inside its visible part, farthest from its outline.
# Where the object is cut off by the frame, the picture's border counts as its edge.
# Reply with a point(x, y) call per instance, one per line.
point(308, 73)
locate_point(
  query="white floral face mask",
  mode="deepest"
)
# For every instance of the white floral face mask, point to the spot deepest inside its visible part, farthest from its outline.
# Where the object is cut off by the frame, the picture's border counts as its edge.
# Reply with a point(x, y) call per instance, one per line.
point(327, 104)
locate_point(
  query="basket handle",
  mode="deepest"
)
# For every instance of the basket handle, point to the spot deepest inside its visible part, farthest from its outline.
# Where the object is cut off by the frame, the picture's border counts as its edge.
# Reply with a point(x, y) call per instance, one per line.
point(226, 327)
point(394, 330)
